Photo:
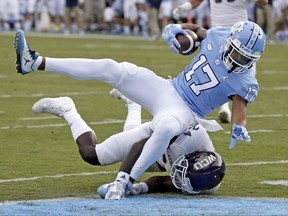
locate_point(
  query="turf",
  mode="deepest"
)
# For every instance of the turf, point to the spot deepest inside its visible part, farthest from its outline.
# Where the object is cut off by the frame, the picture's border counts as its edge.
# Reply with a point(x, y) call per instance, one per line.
point(37, 147)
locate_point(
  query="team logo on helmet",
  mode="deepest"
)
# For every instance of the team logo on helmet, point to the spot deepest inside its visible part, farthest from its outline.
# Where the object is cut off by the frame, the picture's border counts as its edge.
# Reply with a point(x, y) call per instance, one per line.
point(198, 172)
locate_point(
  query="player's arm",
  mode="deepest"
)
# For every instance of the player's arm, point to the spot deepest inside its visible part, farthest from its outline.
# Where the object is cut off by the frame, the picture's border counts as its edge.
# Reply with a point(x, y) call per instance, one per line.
point(160, 184)
point(184, 8)
point(154, 184)
point(199, 30)
point(239, 111)
point(172, 30)
point(239, 117)
point(132, 157)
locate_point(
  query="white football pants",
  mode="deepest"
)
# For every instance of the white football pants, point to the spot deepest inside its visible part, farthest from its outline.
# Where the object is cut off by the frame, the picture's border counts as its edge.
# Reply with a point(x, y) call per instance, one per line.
point(171, 115)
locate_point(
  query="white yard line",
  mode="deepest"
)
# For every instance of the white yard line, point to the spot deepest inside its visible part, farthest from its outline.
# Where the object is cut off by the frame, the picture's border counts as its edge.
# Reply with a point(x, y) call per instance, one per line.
point(258, 163)
point(57, 176)
point(51, 95)
point(109, 172)
point(275, 88)
point(278, 182)
point(274, 72)
point(117, 121)
point(109, 121)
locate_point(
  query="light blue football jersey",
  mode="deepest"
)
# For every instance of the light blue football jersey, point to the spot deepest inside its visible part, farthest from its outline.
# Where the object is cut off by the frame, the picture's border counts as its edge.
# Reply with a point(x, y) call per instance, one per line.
point(205, 83)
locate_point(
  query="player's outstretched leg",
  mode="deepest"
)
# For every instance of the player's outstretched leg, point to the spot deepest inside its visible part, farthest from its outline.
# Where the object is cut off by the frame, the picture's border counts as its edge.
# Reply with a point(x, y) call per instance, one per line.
point(56, 106)
point(26, 57)
point(133, 118)
point(83, 135)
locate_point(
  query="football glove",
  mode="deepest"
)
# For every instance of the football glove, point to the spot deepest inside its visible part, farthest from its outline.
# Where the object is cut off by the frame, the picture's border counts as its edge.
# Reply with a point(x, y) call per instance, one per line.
point(139, 188)
point(116, 190)
point(170, 33)
point(181, 10)
point(238, 133)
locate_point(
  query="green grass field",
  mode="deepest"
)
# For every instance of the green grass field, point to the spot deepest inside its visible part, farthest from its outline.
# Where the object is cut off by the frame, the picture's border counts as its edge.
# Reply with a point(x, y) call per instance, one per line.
point(39, 159)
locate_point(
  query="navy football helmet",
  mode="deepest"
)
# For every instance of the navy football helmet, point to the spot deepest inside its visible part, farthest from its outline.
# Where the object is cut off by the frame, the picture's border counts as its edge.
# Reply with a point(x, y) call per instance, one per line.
point(198, 172)
point(243, 46)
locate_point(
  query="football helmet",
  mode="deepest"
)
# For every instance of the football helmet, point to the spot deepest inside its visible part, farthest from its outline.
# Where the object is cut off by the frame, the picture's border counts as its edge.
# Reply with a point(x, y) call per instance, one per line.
point(198, 172)
point(243, 46)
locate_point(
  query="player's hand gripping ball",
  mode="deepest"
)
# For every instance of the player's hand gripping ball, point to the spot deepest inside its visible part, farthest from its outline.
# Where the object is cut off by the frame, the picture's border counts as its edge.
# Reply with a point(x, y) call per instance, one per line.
point(188, 43)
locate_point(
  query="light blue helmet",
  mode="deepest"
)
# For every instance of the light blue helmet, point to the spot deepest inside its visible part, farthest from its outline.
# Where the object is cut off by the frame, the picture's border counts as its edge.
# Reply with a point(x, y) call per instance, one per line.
point(243, 46)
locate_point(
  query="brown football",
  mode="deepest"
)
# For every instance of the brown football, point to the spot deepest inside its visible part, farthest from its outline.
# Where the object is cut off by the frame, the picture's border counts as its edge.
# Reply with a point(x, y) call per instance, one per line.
point(188, 43)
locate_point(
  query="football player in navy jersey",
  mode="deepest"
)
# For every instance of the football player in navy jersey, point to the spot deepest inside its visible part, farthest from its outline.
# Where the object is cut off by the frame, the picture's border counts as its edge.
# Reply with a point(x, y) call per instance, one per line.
point(180, 160)
point(193, 165)
point(217, 74)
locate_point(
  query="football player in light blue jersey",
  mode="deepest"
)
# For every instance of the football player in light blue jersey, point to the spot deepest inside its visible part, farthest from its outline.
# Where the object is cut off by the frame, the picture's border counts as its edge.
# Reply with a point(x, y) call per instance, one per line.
point(222, 13)
point(207, 83)
point(167, 100)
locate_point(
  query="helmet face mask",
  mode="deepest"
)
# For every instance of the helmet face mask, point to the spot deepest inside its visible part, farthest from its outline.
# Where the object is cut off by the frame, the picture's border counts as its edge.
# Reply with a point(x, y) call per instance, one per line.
point(198, 172)
point(178, 175)
point(243, 46)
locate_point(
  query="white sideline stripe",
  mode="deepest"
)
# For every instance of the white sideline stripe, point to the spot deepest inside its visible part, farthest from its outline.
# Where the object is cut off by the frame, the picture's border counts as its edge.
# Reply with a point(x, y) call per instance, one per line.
point(109, 172)
point(278, 182)
point(57, 176)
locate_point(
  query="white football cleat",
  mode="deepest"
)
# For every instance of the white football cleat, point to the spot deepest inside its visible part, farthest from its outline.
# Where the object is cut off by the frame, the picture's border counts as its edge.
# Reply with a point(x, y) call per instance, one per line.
point(224, 115)
point(26, 57)
point(57, 106)
point(118, 95)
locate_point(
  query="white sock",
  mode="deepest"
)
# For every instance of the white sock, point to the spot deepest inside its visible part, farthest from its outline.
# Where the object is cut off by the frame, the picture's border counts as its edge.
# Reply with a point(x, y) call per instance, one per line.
point(37, 63)
point(77, 125)
point(123, 177)
point(133, 118)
